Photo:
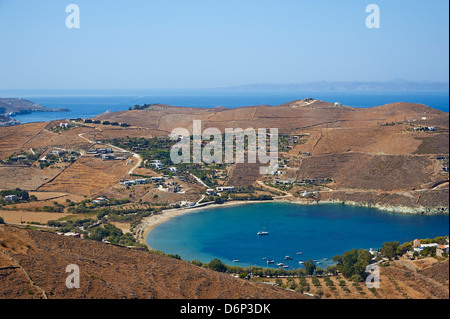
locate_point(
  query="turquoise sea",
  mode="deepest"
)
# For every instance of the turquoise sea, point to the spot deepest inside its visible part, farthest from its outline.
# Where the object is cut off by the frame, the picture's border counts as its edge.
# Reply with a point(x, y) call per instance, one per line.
point(318, 231)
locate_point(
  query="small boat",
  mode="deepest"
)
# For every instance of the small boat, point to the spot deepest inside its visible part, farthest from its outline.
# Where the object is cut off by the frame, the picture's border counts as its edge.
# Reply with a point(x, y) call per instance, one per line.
point(236, 260)
point(301, 262)
point(299, 253)
point(287, 258)
point(264, 258)
point(270, 261)
point(318, 262)
point(285, 266)
point(264, 232)
point(325, 259)
point(280, 265)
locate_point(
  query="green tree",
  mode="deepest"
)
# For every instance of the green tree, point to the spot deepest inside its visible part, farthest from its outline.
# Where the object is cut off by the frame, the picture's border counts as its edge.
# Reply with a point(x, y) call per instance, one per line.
point(357, 278)
point(389, 249)
point(353, 262)
point(217, 265)
point(332, 269)
point(310, 267)
point(319, 271)
point(243, 275)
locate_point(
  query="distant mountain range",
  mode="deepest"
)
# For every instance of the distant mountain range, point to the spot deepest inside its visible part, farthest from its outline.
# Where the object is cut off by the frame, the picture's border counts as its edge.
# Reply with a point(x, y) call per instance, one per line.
point(394, 85)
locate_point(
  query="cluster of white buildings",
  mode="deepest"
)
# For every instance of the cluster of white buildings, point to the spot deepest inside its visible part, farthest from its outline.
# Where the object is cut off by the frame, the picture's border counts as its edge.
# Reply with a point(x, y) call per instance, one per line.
point(440, 249)
point(158, 165)
point(65, 125)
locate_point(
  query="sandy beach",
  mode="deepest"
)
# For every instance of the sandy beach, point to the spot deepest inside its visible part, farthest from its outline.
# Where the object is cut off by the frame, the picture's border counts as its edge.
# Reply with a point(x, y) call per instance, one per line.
point(149, 223)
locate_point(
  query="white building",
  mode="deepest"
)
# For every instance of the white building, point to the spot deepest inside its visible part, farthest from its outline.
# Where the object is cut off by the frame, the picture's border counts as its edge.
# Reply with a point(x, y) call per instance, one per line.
point(65, 125)
point(11, 198)
point(99, 200)
point(225, 189)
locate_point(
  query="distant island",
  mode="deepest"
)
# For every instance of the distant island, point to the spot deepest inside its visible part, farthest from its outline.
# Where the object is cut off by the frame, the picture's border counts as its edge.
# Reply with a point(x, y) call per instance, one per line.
point(10, 107)
point(394, 85)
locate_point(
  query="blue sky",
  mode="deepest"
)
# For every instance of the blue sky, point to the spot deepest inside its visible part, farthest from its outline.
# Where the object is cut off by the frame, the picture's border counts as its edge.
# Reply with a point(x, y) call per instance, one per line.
point(206, 43)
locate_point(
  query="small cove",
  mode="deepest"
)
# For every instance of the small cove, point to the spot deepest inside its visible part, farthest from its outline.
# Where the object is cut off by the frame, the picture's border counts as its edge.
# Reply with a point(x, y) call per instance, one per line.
point(319, 232)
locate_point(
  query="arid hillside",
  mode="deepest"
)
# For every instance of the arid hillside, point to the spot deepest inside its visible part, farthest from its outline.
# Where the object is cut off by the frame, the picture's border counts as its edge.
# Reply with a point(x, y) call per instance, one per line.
point(288, 118)
point(390, 155)
point(33, 265)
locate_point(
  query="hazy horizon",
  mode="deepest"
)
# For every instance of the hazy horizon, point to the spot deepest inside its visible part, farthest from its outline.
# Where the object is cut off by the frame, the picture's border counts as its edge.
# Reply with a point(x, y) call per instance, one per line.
point(209, 45)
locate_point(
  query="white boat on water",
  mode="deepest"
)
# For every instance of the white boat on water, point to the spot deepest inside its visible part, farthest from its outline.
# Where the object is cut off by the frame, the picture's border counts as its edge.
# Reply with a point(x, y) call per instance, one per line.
point(288, 258)
point(301, 262)
point(236, 260)
point(299, 253)
point(285, 266)
point(270, 261)
point(280, 265)
point(263, 233)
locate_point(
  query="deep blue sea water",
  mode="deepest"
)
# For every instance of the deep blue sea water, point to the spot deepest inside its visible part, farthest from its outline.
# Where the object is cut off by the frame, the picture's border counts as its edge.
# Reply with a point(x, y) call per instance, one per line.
point(319, 231)
point(89, 103)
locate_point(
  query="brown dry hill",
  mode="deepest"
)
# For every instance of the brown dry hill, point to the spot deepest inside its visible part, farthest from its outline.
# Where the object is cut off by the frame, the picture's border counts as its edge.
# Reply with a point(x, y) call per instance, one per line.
point(287, 117)
point(33, 265)
point(373, 155)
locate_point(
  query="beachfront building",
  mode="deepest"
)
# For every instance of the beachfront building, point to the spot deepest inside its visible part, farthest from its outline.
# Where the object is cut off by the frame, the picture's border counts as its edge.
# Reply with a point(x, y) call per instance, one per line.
point(225, 189)
point(187, 204)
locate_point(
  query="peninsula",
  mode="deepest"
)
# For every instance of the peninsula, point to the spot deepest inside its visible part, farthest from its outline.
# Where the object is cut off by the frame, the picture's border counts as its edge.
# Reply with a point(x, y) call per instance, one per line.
point(10, 107)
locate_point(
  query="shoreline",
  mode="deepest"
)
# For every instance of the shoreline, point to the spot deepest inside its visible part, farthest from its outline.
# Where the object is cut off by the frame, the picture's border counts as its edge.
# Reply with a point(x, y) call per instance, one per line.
point(148, 224)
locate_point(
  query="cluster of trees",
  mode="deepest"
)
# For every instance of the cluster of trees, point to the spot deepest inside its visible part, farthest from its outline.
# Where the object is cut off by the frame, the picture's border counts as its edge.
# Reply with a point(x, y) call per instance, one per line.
point(156, 148)
point(143, 107)
point(225, 196)
point(310, 269)
point(22, 196)
point(251, 197)
point(56, 208)
point(113, 235)
point(105, 122)
point(26, 159)
point(132, 216)
point(72, 225)
point(352, 264)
